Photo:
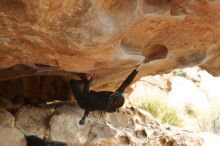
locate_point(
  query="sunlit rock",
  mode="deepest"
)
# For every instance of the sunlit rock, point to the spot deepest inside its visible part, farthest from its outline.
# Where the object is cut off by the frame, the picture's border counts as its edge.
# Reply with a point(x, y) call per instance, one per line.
point(102, 36)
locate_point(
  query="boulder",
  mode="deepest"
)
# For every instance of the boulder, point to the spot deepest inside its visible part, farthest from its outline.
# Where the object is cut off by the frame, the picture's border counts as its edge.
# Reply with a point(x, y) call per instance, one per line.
point(10, 136)
point(131, 126)
point(6, 118)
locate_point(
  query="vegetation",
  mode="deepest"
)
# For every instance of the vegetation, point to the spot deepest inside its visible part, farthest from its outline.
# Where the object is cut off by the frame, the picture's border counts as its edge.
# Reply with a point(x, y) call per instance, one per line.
point(162, 112)
point(189, 110)
point(179, 72)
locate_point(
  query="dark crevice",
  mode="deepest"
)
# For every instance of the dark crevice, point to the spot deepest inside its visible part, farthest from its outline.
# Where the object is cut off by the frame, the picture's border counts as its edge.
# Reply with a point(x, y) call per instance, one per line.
point(32, 90)
point(155, 52)
point(124, 140)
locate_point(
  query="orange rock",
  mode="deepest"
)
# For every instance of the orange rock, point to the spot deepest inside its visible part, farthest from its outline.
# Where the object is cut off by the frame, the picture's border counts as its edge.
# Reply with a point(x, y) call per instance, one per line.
point(109, 37)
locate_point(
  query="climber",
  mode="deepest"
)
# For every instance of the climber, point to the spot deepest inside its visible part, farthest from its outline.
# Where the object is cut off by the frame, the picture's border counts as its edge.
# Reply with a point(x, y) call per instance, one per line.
point(99, 101)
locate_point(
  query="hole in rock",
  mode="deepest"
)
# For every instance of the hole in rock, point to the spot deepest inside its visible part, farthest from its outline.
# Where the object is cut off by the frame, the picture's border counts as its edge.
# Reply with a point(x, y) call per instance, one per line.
point(124, 140)
point(141, 133)
point(154, 52)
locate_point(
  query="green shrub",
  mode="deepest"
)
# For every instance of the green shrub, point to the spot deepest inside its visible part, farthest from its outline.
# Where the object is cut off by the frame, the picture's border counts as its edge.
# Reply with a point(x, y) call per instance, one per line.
point(162, 112)
point(179, 72)
point(189, 110)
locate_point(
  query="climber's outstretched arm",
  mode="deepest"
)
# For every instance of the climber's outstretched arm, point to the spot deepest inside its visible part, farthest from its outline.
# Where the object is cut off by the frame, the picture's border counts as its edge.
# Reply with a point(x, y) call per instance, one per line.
point(129, 79)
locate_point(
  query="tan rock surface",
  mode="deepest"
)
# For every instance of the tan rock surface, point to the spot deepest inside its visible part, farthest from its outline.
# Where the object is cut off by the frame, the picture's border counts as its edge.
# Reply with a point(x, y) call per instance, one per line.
point(11, 137)
point(106, 38)
point(130, 126)
point(31, 120)
point(7, 119)
point(102, 36)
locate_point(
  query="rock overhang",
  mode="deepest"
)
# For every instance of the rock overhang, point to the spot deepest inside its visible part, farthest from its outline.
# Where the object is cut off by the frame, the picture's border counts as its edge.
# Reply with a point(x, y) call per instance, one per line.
point(107, 38)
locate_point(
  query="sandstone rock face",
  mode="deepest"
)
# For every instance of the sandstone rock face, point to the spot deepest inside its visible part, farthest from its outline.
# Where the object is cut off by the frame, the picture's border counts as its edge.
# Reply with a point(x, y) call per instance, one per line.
point(130, 126)
point(11, 137)
point(7, 119)
point(106, 38)
point(33, 120)
point(99, 36)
